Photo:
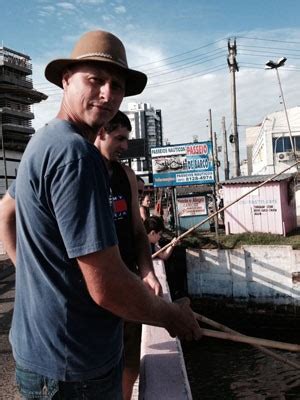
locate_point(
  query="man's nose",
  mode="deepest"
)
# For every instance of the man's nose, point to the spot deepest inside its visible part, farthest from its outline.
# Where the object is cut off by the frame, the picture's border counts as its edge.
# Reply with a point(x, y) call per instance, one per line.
point(106, 91)
point(124, 145)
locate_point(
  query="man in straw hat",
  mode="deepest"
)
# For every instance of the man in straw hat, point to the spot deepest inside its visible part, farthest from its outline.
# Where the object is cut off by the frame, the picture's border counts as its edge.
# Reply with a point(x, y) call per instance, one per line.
point(72, 287)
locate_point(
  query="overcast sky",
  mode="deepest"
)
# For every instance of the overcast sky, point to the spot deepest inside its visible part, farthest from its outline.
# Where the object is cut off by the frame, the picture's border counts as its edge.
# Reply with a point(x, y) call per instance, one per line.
point(182, 47)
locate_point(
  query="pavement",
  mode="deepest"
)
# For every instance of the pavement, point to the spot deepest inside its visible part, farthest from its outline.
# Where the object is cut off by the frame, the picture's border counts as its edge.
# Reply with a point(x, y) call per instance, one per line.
point(8, 390)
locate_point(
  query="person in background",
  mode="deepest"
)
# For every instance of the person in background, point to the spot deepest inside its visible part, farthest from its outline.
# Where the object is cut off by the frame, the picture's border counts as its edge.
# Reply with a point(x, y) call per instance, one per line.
point(145, 207)
point(158, 208)
point(72, 288)
point(170, 217)
point(140, 186)
point(112, 141)
point(154, 226)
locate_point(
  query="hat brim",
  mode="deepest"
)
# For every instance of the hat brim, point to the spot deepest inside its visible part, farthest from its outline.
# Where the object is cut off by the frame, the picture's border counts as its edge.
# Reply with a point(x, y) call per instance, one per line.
point(135, 80)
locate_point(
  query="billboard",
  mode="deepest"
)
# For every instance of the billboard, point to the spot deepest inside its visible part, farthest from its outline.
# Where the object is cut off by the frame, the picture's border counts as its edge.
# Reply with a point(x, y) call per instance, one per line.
point(191, 206)
point(183, 164)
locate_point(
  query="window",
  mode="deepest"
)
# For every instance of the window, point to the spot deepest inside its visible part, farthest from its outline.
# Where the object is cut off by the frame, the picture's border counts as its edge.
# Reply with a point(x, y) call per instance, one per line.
point(283, 144)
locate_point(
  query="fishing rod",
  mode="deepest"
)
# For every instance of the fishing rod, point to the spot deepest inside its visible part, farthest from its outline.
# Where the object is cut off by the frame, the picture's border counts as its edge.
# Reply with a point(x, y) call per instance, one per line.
point(173, 243)
point(225, 328)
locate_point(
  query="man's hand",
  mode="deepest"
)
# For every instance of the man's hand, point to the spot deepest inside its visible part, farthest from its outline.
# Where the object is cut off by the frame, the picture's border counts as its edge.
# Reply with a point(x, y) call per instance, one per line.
point(151, 281)
point(184, 324)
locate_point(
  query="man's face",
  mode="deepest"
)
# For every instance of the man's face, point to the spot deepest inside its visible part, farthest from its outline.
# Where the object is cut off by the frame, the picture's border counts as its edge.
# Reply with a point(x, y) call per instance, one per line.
point(154, 237)
point(146, 201)
point(92, 93)
point(114, 144)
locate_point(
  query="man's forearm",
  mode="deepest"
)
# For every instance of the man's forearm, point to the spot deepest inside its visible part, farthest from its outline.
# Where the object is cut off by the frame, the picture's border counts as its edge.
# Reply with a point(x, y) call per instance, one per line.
point(143, 254)
point(128, 297)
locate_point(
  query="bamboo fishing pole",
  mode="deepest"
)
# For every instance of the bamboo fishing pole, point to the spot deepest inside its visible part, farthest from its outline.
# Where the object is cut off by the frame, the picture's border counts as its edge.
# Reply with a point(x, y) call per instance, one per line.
point(240, 338)
point(221, 209)
point(251, 340)
point(225, 328)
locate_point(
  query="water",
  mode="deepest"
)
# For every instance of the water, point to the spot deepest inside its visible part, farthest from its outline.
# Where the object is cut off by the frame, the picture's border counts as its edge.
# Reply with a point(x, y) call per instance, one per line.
point(225, 370)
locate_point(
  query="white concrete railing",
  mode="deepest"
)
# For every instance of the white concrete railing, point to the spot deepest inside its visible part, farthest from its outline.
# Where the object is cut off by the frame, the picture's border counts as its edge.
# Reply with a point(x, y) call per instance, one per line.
point(163, 374)
point(262, 274)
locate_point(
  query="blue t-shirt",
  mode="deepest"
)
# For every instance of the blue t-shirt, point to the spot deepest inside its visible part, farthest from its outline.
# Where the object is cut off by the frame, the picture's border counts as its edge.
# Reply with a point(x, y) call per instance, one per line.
point(62, 212)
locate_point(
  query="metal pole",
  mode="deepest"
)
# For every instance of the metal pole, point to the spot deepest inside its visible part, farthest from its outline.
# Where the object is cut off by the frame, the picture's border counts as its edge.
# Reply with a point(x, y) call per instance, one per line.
point(215, 147)
point(175, 210)
point(233, 67)
point(225, 149)
point(214, 171)
point(286, 114)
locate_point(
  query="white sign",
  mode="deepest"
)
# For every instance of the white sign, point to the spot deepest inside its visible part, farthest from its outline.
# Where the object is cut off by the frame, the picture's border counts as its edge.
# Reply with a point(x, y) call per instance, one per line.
point(191, 206)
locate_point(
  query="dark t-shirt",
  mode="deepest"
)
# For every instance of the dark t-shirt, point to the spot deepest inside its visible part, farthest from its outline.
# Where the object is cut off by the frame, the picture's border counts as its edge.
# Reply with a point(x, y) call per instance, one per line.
point(62, 212)
point(122, 205)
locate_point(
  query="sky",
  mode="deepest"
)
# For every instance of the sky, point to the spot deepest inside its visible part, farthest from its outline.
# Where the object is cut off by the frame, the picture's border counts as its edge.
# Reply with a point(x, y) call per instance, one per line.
point(181, 45)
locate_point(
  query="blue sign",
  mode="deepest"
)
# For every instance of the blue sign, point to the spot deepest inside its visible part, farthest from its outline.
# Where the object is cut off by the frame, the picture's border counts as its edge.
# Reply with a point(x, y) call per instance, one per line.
point(183, 164)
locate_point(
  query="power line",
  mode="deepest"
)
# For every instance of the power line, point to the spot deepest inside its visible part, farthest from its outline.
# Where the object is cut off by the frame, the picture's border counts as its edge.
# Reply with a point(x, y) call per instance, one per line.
point(259, 66)
point(267, 47)
point(180, 54)
point(267, 40)
point(270, 53)
point(195, 75)
point(185, 66)
point(215, 51)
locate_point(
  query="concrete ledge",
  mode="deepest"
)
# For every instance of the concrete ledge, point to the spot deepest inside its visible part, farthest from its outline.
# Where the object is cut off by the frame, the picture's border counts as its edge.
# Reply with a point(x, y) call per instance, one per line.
point(256, 274)
point(163, 373)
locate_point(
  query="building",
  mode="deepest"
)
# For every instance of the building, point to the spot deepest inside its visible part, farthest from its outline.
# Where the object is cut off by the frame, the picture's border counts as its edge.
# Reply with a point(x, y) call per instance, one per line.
point(269, 147)
point(269, 208)
point(16, 97)
point(146, 124)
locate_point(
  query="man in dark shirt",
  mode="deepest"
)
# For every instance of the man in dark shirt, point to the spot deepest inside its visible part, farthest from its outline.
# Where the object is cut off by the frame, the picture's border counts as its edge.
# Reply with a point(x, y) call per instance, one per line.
point(112, 141)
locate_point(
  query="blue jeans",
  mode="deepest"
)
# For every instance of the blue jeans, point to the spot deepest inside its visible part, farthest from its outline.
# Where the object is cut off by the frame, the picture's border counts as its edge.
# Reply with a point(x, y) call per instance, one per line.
point(37, 387)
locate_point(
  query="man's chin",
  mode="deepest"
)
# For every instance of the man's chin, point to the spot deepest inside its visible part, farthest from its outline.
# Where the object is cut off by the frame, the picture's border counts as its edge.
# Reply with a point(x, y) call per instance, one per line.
point(102, 120)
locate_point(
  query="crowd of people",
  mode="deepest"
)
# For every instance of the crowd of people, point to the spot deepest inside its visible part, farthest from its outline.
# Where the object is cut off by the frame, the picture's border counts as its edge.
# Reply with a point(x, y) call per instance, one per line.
point(71, 223)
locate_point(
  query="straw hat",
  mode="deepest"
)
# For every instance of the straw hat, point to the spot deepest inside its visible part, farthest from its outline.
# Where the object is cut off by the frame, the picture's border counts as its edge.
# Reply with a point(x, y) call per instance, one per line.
point(103, 47)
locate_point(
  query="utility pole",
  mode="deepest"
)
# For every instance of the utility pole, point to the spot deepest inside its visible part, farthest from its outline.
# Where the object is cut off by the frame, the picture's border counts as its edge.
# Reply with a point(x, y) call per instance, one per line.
point(234, 138)
point(216, 159)
point(214, 200)
point(225, 150)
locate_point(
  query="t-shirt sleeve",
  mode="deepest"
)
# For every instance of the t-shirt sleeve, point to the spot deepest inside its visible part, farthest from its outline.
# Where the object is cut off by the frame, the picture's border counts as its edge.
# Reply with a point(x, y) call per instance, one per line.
point(12, 190)
point(80, 200)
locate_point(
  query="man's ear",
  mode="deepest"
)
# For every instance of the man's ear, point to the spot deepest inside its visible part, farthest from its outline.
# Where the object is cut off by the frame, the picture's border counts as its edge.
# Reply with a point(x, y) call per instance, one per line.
point(102, 133)
point(65, 77)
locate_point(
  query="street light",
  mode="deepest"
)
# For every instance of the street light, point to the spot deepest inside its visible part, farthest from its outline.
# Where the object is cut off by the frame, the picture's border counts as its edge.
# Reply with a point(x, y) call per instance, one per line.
point(275, 65)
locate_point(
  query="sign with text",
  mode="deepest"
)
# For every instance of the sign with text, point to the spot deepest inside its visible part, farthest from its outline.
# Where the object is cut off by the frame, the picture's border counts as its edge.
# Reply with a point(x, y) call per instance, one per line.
point(182, 164)
point(191, 206)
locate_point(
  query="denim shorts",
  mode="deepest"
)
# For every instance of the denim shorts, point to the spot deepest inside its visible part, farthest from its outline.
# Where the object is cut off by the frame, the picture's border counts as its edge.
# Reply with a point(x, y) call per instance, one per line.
point(33, 386)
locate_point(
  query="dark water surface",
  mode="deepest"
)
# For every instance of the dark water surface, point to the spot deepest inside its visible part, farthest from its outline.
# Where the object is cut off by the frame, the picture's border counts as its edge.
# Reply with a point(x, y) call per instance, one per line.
point(226, 370)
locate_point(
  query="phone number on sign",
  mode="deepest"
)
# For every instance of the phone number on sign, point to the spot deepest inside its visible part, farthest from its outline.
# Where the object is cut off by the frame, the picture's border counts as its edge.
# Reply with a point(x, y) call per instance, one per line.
point(194, 177)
